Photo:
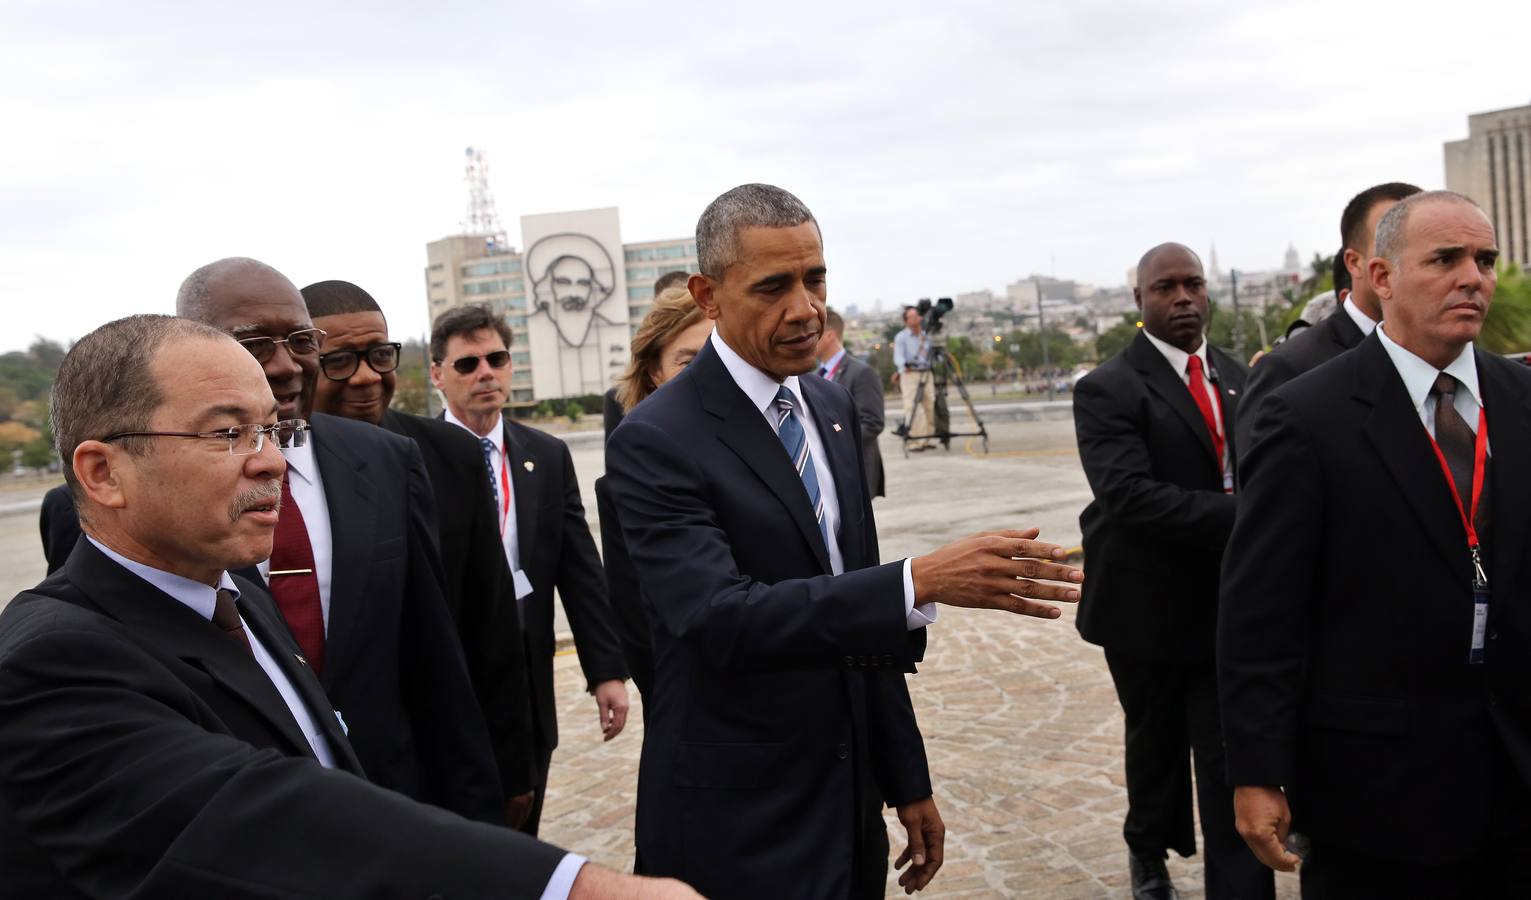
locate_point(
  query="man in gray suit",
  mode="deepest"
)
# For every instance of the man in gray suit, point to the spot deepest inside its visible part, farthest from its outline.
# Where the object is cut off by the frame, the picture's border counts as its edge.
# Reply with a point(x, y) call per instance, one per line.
point(861, 380)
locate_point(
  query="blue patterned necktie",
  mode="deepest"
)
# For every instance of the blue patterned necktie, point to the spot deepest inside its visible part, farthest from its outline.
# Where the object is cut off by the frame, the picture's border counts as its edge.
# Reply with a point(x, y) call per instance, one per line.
point(494, 483)
point(795, 439)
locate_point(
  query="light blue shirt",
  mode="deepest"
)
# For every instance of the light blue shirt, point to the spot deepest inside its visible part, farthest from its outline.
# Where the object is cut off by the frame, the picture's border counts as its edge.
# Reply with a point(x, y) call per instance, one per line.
point(761, 389)
point(1419, 377)
point(911, 351)
point(201, 599)
point(828, 366)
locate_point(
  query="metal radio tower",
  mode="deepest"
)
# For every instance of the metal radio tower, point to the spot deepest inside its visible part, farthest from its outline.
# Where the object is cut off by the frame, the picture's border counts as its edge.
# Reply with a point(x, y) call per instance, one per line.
point(482, 217)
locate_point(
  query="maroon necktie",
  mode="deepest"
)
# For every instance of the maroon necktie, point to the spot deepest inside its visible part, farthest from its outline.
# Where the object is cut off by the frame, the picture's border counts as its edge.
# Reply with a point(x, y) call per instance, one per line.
point(294, 583)
point(1204, 403)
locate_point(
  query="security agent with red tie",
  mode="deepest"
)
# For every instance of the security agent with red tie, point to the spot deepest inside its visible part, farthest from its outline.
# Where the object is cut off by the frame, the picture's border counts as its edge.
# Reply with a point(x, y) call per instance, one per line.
point(1155, 427)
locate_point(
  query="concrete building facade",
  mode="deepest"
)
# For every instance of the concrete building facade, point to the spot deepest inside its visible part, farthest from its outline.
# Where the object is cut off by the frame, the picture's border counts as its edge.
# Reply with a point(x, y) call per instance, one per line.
point(1492, 166)
point(572, 298)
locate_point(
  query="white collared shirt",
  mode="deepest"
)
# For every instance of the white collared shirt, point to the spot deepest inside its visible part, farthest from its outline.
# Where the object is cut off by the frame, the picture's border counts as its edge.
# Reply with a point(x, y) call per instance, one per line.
point(307, 488)
point(761, 389)
point(1419, 377)
point(829, 366)
point(504, 484)
point(1180, 360)
point(201, 599)
point(1362, 320)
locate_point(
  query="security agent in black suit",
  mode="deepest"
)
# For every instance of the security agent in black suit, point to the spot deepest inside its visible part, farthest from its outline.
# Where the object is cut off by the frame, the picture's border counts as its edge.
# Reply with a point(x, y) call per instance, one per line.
point(837, 364)
point(1342, 330)
point(546, 539)
point(160, 735)
point(60, 529)
point(357, 371)
point(1356, 709)
point(780, 721)
point(392, 663)
point(1153, 425)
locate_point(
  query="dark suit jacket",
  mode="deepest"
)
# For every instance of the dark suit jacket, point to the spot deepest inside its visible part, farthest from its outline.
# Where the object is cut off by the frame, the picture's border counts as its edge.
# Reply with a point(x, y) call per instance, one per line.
point(632, 623)
point(479, 591)
point(393, 664)
point(60, 526)
point(1347, 614)
point(611, 412)
point(779, 721)
point(143, 753)
point(1154, 534)
point(1305, 352)
point(866, 389)
point(557, 551)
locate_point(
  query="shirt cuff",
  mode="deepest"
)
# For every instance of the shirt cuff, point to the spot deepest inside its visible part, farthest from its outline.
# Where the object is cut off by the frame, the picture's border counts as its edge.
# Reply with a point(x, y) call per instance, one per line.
point(915, 616)
point(563, 877)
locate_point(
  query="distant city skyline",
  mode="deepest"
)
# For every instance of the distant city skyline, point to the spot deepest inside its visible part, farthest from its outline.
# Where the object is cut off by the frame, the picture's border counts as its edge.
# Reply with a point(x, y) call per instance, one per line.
point(943, 150)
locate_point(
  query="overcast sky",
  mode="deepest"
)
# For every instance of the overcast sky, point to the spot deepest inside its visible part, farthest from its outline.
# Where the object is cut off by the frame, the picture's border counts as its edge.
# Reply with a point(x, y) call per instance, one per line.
point(943, 146)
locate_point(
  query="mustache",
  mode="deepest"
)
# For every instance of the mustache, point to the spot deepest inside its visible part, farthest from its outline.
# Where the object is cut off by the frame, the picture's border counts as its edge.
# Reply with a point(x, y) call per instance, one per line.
point(268, 494)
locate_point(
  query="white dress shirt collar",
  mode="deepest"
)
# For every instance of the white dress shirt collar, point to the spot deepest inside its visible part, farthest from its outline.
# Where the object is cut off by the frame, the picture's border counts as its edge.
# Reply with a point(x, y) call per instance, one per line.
point(195, 595)
point(496, 434)
point(828, 366)
point(1178, 358)
point(300, 462)
point(1362, 320)
point(1419, 376)
point(757, 385)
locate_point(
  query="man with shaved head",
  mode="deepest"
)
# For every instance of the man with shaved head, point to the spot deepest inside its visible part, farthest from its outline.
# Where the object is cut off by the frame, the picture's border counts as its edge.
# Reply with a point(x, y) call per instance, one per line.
point(1155, 426)
point(355, 570)
point(1375, 635)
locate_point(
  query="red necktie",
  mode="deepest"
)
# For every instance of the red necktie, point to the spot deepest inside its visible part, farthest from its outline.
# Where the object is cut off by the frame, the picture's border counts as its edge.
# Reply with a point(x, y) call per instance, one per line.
point(294, 583)
point(1204, 403)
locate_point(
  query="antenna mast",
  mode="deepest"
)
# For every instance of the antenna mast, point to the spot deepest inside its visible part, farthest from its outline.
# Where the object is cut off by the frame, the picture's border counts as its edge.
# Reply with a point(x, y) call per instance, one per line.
point(481, 217)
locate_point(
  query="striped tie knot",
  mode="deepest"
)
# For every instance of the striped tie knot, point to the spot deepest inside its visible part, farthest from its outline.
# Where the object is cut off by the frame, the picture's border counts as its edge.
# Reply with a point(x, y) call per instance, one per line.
point(790, 430)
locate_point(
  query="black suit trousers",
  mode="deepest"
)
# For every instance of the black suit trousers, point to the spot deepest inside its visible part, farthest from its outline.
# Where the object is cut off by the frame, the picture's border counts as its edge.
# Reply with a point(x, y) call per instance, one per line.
point(1172, 716)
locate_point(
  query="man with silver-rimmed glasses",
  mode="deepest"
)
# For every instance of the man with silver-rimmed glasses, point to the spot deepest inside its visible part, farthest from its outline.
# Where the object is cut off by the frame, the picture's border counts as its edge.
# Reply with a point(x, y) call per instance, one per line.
point(355, 569)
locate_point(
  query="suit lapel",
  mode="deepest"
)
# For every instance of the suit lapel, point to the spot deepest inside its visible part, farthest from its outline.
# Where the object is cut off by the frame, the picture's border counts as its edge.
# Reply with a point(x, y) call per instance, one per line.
point(176, 629)
point(1403, 446)
point(349, 496)
point(264, 623)
point(1344, 331)
point(1166, 382)
point(1509, 433)
point(744, 431)
point(844, 450)
point(524, 481)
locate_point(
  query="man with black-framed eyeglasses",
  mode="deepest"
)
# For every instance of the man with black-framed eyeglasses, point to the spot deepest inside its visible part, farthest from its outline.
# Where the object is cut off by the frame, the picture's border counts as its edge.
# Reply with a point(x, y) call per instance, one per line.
point(355, 570)
point(358, 380)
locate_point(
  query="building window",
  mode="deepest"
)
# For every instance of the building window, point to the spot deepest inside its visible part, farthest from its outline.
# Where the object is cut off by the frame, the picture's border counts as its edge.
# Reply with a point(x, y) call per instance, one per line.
point(640, 292)
point(639, 254)
point(521, 358)
point(674, 251)
point(640, 273)
point(521, 396)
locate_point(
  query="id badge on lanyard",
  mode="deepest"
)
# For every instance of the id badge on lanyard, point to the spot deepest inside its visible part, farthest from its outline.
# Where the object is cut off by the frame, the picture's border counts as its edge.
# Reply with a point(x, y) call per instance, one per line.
point(1477, 648)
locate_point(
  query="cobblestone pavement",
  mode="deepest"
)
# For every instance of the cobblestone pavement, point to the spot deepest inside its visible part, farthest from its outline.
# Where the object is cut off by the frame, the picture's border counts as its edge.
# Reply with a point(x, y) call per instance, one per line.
point(1020, 718)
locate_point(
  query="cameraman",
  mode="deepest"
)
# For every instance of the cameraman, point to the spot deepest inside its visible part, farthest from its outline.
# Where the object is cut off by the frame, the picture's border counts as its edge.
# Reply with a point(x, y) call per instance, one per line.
point(911, 370)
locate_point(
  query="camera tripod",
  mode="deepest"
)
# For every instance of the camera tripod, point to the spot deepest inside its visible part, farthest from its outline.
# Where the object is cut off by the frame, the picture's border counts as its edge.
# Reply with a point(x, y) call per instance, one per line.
point(942, 369)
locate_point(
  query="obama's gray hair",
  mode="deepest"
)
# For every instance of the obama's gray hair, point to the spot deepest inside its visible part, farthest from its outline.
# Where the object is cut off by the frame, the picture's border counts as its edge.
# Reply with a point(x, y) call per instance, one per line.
point(746, 206)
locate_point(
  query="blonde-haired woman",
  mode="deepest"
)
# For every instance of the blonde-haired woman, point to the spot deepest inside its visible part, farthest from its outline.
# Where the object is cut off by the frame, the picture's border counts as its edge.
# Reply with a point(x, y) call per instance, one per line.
point(670, 336)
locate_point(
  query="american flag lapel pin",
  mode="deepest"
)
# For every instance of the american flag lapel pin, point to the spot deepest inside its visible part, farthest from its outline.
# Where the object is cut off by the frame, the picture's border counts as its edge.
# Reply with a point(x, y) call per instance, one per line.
point(300, 659)
point(836, 426)
point(529, 466)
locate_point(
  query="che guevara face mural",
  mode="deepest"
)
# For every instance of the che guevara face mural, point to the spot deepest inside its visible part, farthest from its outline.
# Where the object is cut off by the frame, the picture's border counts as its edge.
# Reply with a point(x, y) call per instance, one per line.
point(572, 279)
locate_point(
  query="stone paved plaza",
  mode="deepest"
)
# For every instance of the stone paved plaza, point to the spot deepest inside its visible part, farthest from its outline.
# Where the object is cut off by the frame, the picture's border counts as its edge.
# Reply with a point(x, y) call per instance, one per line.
point(1019, 715)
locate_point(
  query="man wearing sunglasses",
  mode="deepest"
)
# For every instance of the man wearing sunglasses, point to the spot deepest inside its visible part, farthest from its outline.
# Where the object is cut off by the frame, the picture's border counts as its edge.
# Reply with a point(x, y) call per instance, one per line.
point(355, 570)
point(546, 539)
point(357, 380)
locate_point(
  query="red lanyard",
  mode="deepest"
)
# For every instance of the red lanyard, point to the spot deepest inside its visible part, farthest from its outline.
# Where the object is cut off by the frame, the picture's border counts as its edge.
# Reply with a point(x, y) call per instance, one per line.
point(504, 489)
point(1480, 458)
point(829, 374)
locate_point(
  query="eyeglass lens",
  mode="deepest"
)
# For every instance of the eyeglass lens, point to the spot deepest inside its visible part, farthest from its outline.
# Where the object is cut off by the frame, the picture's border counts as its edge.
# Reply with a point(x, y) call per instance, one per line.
point(338, 365)
point(299, 343)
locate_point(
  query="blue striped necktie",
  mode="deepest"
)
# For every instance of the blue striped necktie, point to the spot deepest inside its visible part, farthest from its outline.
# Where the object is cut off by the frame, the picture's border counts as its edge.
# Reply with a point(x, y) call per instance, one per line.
point(494, 477)
point(795, 439)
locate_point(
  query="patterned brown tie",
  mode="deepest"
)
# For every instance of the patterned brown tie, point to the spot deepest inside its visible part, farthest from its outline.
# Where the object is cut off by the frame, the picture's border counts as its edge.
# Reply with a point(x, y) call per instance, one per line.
point(1454, 436)
point(226, 616)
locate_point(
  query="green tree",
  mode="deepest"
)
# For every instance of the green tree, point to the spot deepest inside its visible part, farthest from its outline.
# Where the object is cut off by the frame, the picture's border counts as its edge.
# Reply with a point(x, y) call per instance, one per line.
point(1114, 339)
point(1508, 326)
